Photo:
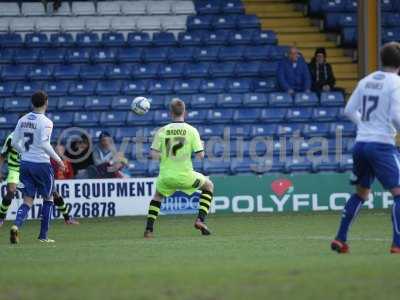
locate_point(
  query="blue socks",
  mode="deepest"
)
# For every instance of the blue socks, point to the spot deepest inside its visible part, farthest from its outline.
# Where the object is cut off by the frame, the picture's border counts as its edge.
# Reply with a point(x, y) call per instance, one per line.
point(396, 221)
point(46, 216)
point(350, 212)
point(22, 215)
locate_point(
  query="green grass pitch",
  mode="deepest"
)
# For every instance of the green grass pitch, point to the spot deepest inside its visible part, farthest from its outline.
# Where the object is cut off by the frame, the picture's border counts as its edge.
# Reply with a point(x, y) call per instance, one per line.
point(257, 256)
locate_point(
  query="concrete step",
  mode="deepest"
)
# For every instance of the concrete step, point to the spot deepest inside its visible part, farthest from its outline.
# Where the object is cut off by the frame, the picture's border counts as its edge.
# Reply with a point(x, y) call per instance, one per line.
point(347, 84)
point(346, 75)
point(331, 52)
point(313, 45)
point(265, 1)
point(284, 22)
point(275, 14)
point(343, 68)
point(286, 38)
point(269, 7)
point(295, 30)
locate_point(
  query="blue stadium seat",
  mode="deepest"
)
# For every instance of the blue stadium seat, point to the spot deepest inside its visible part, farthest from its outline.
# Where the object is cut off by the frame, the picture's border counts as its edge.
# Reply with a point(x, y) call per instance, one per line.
point(387, 5)
point(347, 129)
point(128, 132)
point(71, 103)
point(6, 56)
point(390, 34)
point(207, 7)
point(258, 53)
point(333, 6)
point(120, 71)
point(280, 100)
point(8, 120)
point(247, 69)
point(348, 20)
point(268, 69)
point(110, 118)
point(206, 53)
point(7, 89)
point(351, 6)
point(332, 99)
point(138, 39)
point(298, 164)
point(216, 167)
point(239, 85)
point(11, 40)
point(40, 72)
point(211, 131)
point(265, 85)
point(108, 87)
point(199, 22)
point(187, 86)
point(26, 56)
point(233, 53)
point(323, 114)
point(229, 100)
point(175, 70)
point(14, 72)
point(138, 168)
point(265, 37)
point(104, 55)
point(121, 103)
point(164, 39)
point(255, 100)
point(181, 54)
point(82, 88)
point(299, 114)
point(97, 103)
point(243, 37)
point(246, 115)
point(56, 88)
point(61, 40)
point(264, 130)
point(224, 22)
point(232, 7)
point(27, 88)
point(136, 87)
point(226, 69)
point(78, 55)
point(130, 55)
point(204, 101)
point(146, 119)
point(53, 55)
point(162, 117)
point(331, 21)
point(213, 86)
point(86, 119)
point(326, 164)
point(87, 39)
point(157, 101)
point(61, 119)
point(112, 39)
point(241, 130)
point(196, 116)
point(188, 39)
point(306, 99)
point(156, 54)
point(196, 70)
point(273, 115)
point(216, 38)
point(316, 130)
point(95, 71)
point(248, 21)
point(349, 36)
point(66, 72)
point(161, 87)
point(220, 115)
point(143, 71)
point(20, 104)
point(290, 129)
point(36, 39)
point(278, 52)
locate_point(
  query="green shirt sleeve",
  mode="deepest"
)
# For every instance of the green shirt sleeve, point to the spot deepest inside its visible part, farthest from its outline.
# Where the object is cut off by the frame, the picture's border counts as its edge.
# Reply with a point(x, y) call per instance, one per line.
point(156, 145)
point(197, 144)
point(6, 147)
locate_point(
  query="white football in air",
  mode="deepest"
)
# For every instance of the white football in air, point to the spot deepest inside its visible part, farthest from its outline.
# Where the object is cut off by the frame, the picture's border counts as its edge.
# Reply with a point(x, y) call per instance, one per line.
point(140, 105)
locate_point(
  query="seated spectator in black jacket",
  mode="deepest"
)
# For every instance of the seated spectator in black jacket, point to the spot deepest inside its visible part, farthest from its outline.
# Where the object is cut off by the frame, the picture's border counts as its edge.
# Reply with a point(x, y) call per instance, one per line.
point(323, 79)
point(80, 154)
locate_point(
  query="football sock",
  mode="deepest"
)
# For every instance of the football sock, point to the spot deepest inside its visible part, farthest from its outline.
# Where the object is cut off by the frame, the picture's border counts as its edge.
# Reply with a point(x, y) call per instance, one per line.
point(154, 210)
point(396, 221)
point(61, 207)
point(204, 204)
point(22, 214)
point(350, 212)
point(46, 216)
point(5, 204)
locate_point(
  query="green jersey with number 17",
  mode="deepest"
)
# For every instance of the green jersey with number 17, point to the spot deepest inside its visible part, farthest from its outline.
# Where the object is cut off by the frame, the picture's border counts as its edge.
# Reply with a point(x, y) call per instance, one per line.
point(176, 142)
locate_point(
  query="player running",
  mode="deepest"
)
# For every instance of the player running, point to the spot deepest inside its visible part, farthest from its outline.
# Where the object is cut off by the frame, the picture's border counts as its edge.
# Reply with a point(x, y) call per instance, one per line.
point(173, 145)
point(374, 107)
point(13, 163)
point(31, 138)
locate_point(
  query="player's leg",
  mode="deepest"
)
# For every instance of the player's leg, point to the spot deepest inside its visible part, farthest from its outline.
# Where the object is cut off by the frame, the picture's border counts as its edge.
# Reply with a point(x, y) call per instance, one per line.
point(62, 208)
point(154, 210)
point(396, 220)
point(363, 178)
point(8, 197)
point(206, 196)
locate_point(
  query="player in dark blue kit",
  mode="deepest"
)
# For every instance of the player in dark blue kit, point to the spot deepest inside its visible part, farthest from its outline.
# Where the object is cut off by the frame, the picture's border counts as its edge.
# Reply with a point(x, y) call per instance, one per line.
point(375, 108)
point(32, 139)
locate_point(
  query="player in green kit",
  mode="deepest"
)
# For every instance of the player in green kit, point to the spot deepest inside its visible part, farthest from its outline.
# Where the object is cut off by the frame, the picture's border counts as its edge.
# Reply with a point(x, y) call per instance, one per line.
point(13, 163)
point(174, 145)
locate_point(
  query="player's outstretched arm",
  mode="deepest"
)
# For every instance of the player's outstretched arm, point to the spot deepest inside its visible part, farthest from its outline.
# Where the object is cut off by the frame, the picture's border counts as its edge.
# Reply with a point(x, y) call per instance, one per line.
point(200, 154)
point(155, 155)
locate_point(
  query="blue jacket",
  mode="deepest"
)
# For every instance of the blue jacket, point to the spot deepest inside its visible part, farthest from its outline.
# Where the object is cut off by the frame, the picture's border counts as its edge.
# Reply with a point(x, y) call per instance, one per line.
point(293, 77)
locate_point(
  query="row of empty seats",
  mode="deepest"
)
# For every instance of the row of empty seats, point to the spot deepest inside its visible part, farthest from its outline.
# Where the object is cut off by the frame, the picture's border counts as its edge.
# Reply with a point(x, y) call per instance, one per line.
point(88, 8)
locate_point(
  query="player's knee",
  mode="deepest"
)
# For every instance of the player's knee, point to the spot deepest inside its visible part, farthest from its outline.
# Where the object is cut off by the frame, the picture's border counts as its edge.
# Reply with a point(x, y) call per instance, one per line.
point(363, 192)
point(11, 188)
point(208, 186)
point(395, 191)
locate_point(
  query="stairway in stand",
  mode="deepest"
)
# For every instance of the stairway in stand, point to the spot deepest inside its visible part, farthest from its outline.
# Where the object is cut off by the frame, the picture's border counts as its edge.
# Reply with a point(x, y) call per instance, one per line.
point(293, 28)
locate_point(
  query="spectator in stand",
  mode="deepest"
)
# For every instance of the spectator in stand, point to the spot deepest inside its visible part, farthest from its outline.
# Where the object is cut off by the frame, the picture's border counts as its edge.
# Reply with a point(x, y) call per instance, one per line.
point(323, 79)
point(68, 172)
point(107, 160)
point(81, 156)
point(56, 4)
point(293, 73)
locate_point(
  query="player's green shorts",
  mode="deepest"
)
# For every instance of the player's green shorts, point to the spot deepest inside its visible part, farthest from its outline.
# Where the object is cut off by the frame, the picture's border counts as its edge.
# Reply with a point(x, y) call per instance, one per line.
point(189, 183)
point(13, 176)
